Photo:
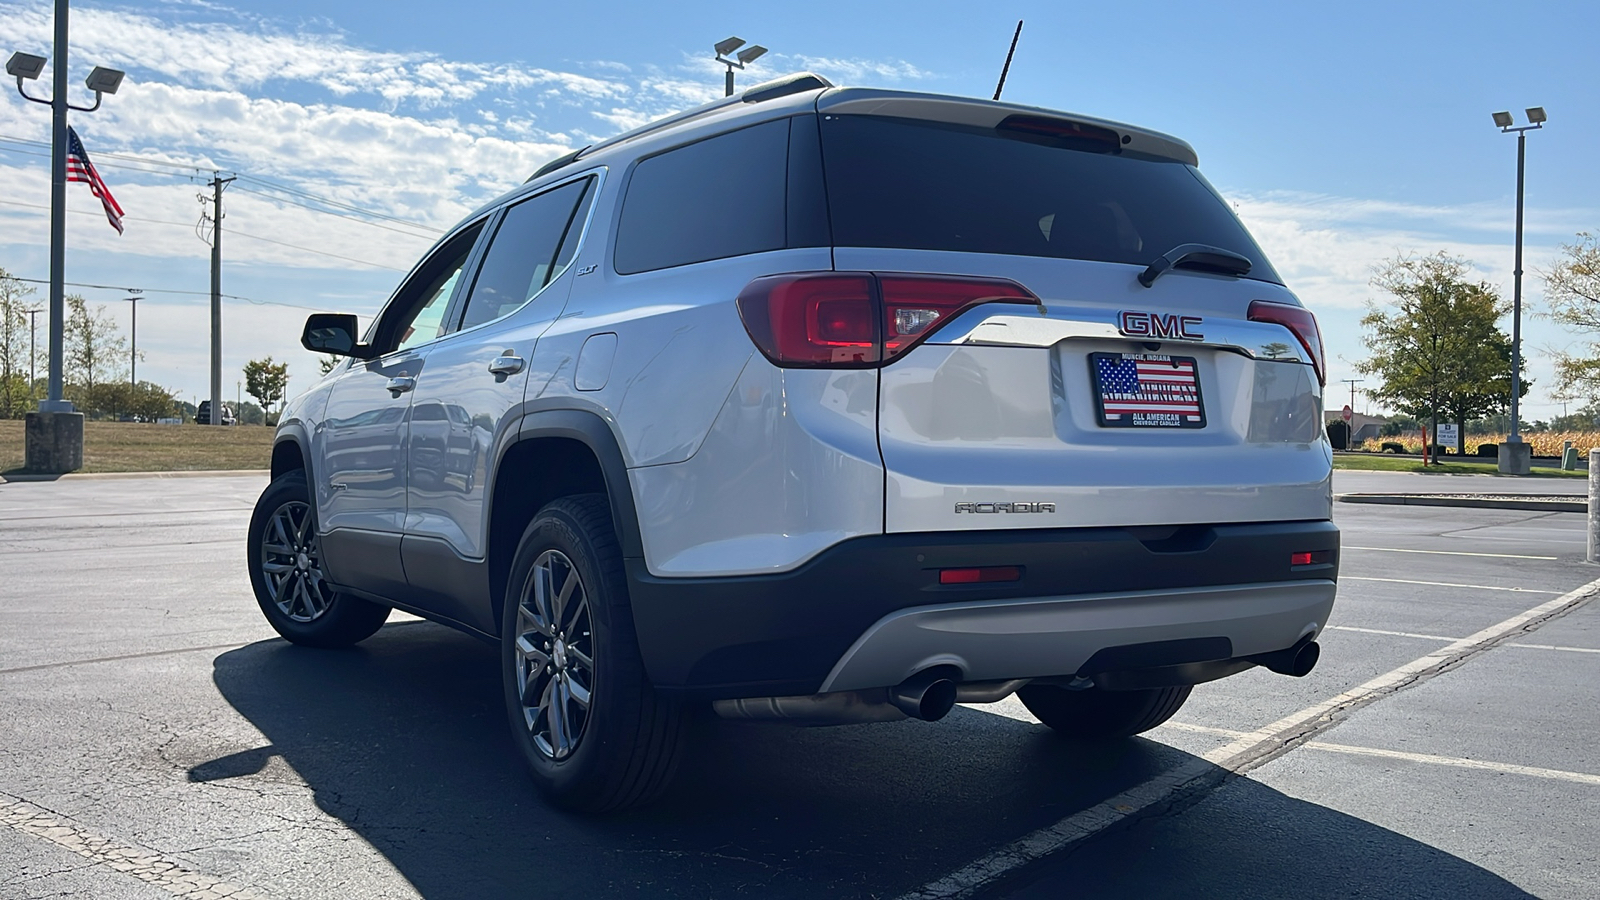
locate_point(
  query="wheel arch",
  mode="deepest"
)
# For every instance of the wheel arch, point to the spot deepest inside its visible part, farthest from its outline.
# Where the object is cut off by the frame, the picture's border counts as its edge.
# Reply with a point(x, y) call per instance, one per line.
point(289, 453)
point(555, 453)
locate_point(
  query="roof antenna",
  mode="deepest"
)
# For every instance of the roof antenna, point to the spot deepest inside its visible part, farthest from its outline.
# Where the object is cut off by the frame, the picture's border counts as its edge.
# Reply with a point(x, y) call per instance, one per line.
point(1007, 68)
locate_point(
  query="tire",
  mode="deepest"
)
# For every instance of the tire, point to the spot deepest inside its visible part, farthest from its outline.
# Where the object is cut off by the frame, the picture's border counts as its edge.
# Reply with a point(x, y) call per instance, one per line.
point(621, 747)
point(285, 559)
point(1097, 715)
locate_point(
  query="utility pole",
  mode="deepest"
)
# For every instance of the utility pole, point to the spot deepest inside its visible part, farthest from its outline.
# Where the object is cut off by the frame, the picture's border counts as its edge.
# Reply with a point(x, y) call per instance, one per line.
point(133, 350)
point(1352, 382)
point(217, 184)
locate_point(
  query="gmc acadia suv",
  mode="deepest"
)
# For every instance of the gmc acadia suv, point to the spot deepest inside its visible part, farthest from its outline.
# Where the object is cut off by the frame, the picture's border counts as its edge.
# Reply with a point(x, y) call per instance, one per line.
point(822, 405)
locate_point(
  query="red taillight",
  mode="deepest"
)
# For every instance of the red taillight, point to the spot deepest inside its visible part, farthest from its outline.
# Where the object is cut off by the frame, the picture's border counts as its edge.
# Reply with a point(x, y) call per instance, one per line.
point(983, 575)
point(854, 320)
point(1300, 322)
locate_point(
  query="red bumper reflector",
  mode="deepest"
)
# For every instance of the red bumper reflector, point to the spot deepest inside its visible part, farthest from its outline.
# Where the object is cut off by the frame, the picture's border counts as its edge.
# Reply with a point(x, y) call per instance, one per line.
point(1308, 558)
point(980, 576)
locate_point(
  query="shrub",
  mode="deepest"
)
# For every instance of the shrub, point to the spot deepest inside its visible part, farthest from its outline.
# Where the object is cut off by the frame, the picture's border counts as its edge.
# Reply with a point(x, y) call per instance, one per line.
point(1489, 450)
point(1392, 447)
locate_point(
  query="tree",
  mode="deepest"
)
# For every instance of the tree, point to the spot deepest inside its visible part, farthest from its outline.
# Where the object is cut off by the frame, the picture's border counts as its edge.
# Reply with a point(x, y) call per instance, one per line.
point(94, 346)
point(16, 391)
point(1573, 289)
point(266, 381)
point(1438, 350)
point(326, 363)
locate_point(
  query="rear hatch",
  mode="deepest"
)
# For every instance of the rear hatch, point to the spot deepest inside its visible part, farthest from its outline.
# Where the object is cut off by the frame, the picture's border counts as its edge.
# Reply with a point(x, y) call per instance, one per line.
point(1195, 399)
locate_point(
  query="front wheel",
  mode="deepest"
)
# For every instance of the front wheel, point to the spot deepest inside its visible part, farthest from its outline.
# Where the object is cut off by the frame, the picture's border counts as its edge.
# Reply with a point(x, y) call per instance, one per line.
point(286, 572)
point(1097, 714)
point(589, 724)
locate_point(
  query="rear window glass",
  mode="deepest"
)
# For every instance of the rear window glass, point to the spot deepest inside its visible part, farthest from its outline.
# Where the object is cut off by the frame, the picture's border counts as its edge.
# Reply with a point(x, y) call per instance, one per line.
point(716, 198)
point(902, 183)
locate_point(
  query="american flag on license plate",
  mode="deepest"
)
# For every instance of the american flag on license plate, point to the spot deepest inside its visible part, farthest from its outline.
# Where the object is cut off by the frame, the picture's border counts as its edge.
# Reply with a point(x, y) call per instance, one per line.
point(1149, 389)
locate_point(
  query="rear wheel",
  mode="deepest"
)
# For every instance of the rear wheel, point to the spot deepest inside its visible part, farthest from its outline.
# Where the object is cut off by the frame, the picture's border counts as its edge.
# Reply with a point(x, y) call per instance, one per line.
point(286, 572)
point(1095, 714)
point(589, 724)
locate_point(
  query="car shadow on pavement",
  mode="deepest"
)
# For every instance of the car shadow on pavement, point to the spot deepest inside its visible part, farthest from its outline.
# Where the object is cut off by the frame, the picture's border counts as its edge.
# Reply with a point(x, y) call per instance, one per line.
point(404, 740)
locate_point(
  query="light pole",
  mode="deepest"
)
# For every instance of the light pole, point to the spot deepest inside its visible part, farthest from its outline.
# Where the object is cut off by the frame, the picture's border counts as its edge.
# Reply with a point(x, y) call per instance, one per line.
point(1516, 457)
point(55, 433)
point(133, 349)
point(746, 56)
point(33, 333)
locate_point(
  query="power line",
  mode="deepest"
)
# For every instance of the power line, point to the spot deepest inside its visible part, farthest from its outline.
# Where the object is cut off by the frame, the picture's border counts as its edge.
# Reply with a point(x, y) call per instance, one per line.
point(194, 171)
point(112, 287)
point(337, 203)
point(329, 212)
point(85, 212)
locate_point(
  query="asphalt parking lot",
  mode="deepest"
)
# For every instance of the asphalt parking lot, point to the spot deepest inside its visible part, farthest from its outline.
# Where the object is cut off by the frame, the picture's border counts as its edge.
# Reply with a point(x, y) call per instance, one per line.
point(156, 739)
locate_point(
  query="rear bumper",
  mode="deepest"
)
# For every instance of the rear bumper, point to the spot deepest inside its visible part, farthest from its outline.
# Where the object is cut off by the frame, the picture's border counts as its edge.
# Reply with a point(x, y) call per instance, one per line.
point(1053, 636)
point(873, 605)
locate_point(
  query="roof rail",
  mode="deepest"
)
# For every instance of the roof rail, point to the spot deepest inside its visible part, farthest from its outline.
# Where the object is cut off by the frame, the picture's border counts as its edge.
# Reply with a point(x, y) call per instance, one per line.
point(770, 90)
point(560, 161)
point(797, 83)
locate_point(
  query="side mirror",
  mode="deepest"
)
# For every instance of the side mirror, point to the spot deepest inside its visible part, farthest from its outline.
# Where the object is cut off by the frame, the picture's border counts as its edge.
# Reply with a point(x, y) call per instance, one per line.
point(333, 333)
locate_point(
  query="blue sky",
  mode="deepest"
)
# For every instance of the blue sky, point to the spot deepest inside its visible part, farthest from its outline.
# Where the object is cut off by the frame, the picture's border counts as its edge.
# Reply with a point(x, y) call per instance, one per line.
point(1343, 133)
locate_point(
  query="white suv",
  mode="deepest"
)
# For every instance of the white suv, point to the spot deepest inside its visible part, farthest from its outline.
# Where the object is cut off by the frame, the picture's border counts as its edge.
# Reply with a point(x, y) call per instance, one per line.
point(822, 405)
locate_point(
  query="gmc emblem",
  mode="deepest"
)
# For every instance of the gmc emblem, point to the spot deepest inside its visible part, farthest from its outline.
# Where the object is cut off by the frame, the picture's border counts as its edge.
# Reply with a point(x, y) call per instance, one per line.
point(1170, 327)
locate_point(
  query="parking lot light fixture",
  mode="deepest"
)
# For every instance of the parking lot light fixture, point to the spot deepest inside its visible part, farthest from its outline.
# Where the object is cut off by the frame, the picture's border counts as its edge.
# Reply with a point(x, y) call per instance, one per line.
point(1536, 120)
point(25, 66)
point(746, 56)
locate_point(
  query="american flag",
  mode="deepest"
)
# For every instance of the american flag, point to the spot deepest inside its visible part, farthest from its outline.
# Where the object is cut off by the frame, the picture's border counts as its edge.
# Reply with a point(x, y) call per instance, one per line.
point(80, 169)
point(1153, 390)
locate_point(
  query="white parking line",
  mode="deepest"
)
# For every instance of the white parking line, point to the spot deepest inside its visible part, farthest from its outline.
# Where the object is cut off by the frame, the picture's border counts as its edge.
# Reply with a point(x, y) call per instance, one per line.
point(1451, 553)
point(1438, 637)
point(1404, 634)
point(1553, 647)
point(1428, 758)
point(1480, 587)
point(1240, 755)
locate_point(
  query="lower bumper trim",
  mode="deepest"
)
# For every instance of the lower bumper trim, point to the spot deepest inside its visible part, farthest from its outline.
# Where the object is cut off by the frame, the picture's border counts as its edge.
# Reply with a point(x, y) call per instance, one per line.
point(1045, 637)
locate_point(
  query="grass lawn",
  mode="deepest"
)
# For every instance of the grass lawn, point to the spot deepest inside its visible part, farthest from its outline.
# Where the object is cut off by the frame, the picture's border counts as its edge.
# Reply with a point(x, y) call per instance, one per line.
point(131, 447)
point(1377, 462)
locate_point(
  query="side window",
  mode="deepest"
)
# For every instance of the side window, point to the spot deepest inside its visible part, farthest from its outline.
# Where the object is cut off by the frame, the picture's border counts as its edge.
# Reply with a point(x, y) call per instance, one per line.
point(416, 315)
point(532, 247)
point(716, 198)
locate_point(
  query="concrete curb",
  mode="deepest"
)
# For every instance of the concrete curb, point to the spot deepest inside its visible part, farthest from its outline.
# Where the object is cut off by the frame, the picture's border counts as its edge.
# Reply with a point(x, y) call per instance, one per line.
point(197, 473)
point(1535, 504)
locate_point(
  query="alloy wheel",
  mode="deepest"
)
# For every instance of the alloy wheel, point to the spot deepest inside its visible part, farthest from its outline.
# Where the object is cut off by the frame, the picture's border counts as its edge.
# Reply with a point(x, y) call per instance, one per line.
point(291, 560)
point(555, 654)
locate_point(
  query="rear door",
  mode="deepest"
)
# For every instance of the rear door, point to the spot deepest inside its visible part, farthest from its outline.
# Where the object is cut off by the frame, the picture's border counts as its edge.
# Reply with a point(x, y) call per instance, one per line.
point(474, 387)
point(1110, 403)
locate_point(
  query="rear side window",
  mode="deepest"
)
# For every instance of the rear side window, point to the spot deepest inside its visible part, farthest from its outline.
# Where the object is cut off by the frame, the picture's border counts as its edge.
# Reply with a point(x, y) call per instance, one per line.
point(716, 198)
point(902, 183)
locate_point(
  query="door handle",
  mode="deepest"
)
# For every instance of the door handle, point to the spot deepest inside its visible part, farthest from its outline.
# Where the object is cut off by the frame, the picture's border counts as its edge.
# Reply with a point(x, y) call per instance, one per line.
point(401, 384)
point(505, 366)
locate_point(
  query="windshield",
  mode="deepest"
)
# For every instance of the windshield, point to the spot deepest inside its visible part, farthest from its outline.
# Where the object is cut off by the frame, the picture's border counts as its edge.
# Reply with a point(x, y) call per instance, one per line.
point(910, 184)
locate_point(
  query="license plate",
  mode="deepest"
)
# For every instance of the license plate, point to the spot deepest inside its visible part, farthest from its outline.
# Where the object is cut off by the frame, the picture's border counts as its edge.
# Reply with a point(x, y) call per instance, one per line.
point(1146, 390)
